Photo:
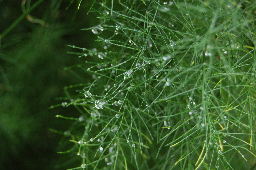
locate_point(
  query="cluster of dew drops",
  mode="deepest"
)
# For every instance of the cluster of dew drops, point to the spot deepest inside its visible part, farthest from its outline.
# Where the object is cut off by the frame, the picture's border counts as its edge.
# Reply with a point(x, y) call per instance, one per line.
point(111, 149)
point(100, 104)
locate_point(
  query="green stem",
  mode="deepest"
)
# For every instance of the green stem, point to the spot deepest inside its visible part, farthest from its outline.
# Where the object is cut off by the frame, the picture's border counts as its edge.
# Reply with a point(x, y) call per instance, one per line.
point(18, 20)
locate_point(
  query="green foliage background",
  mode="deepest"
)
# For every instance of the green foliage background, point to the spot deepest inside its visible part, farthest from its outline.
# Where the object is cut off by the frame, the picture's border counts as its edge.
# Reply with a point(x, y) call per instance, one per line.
point(32, 78)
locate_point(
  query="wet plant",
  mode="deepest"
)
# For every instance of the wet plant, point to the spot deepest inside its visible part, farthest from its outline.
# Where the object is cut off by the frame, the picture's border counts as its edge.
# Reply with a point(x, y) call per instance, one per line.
point(171, 86)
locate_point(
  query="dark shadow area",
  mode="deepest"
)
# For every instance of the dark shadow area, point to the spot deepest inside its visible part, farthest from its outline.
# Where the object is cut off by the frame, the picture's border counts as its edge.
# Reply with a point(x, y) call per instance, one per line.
point(32, 78)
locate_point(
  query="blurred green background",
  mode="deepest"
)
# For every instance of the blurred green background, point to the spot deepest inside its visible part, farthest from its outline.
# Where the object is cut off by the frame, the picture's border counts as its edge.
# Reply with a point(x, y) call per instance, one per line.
point(32, 77)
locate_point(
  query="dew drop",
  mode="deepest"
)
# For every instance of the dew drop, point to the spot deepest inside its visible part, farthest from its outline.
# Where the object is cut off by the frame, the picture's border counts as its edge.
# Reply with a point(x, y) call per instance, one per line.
point(107, 87)
point(117, 29)
point(117, 116)
point(172, 43)
point(67, 133)
point(166, 124)
point(138, 65)
point(83, 165)
point(99, 104)
point(95, 114)
point(111, 149)
point(83, 155)
point(80, 142)
point(64, 104)
point(168, 83)
point(97, 29)
point(101, 149)
point(127, 74)
point(168, 3)
point(81, 119)
point(93, 52)
point(114, 128)
point(150, 45)
point(229, 6)
point(208, 54)
point(101, 55)
point(117, 103)
point(164, 9)
point(166, 57)
point(219, 151)
point(109, 163)
point(87, 94)
point(106, 12)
